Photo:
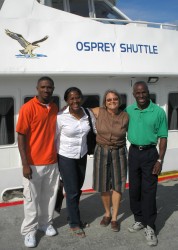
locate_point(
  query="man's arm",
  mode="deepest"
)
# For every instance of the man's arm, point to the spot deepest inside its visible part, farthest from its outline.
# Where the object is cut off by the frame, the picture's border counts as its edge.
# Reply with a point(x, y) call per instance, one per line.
point(27, 172)
point(162, 150)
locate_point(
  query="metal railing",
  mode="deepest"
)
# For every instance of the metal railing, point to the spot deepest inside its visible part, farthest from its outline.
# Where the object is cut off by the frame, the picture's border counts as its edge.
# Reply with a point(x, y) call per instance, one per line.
point(137, 23)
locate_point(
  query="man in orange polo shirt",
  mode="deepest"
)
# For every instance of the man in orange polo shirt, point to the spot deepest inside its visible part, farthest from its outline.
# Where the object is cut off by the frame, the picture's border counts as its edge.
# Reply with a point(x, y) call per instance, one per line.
point(36, 128)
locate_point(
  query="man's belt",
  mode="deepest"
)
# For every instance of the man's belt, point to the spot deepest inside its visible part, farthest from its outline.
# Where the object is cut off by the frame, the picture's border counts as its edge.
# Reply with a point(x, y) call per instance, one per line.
point(144, 147)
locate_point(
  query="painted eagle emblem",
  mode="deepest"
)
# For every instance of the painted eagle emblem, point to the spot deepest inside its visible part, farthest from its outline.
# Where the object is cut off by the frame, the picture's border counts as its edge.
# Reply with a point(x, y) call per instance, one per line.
point(28, 47)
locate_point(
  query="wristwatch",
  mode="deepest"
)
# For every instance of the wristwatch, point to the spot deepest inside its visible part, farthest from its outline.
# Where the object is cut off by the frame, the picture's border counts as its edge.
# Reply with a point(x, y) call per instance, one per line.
point(159, 160)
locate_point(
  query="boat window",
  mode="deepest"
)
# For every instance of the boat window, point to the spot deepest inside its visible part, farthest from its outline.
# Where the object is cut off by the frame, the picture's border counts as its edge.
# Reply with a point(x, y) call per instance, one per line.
point(57, 4)
point(79, 7)
point(153, 97)
point(173, 111)
point(124, 101)
point(54, 98)
point(91, 101)
point(1, 3)
point(103, 10)
point(6, 120)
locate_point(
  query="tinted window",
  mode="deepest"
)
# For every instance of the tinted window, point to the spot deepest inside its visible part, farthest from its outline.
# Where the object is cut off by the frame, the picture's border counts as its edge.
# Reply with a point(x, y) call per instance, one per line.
point(79, 7)
point(91, 101)
point(54, 98)
point(58, 4)
point(6, 120)
point(124, 101)
point(153, 98)
point(102, 10)
point(173, 111)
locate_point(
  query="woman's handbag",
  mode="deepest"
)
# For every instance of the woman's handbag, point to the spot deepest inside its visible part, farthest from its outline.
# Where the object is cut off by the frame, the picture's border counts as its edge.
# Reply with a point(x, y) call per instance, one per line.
point(91, 137)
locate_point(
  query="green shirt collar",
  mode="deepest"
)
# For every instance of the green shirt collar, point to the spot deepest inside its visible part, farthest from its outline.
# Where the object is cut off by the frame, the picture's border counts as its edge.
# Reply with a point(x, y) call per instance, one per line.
point(150, 107)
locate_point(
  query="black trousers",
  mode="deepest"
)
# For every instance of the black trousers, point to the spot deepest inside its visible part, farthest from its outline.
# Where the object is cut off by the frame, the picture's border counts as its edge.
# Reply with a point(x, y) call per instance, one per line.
point(143, 185)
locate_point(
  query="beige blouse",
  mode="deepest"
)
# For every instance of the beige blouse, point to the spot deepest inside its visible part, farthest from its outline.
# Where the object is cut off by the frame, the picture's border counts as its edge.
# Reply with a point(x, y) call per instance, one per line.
point(111, 129)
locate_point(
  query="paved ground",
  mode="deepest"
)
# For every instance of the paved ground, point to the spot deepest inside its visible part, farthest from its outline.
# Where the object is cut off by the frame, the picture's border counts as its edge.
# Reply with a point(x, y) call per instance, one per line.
point(98, 238)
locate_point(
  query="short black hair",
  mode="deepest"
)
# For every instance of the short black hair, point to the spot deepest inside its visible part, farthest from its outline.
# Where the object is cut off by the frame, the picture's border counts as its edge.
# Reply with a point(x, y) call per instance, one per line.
point(46, 78)
point(140, 83)
point(72, 89)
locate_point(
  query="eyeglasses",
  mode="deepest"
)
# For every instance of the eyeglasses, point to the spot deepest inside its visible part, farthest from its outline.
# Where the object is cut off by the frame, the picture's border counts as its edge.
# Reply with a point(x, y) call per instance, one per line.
point(112, 99)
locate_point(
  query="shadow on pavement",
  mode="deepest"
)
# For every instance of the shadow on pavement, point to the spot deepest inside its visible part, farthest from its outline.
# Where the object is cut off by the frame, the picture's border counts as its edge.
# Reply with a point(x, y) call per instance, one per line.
point(167, 204)
point(91, 207)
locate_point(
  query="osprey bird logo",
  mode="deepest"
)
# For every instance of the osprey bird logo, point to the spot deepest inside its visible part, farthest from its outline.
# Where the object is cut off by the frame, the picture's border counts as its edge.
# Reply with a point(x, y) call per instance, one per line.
point(28, 47)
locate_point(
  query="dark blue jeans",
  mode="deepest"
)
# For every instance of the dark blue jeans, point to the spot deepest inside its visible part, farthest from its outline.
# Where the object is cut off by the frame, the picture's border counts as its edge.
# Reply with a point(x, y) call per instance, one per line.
point(73, 175)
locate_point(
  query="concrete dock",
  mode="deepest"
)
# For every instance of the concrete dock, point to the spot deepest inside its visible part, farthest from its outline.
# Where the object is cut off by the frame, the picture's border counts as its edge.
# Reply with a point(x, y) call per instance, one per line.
point(98, 238)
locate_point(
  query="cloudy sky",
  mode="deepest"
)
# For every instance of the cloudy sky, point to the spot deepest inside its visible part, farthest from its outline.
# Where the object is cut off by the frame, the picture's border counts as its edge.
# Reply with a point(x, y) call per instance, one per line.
point(164, 11)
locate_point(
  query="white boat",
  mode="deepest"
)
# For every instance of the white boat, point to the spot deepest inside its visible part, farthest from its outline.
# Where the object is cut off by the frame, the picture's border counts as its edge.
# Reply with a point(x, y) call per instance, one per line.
point(89, 44)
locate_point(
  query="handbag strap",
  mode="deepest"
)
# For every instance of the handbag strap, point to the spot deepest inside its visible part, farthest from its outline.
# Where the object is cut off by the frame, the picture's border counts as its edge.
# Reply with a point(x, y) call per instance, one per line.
point(89, 119)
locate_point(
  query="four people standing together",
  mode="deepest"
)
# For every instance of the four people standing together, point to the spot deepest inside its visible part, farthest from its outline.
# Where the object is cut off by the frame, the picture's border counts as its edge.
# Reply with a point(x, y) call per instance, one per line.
point(145, 124)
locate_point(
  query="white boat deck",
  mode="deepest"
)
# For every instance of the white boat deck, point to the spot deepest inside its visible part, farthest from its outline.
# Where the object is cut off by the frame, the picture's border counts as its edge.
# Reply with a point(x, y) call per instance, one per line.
point(98, 238)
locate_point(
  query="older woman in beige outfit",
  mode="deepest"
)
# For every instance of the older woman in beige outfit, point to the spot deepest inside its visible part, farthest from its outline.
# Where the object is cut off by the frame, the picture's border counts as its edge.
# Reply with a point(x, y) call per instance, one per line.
point(110, 159)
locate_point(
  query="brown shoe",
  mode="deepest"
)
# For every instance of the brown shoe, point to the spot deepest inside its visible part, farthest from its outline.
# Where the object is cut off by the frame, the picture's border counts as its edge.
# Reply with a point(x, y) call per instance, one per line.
point(105, 221)
point(114, 226)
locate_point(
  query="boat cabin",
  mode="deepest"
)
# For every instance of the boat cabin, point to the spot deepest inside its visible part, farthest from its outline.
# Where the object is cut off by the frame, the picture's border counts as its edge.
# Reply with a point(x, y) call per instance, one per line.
point(89, 44)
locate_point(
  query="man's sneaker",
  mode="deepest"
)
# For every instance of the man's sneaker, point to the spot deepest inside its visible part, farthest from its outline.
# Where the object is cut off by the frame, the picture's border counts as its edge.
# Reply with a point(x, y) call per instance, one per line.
point(137, 226)
point(150, 236)
point(48, 230)
point(30, 239)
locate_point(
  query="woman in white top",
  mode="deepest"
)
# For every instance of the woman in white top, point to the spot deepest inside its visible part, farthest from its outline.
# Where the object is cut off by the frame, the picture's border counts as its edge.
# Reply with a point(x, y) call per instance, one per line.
point(72, 129)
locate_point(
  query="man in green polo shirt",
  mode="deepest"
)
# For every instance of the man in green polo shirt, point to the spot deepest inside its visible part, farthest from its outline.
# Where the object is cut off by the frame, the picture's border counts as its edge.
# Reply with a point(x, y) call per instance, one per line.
point(147, 127)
